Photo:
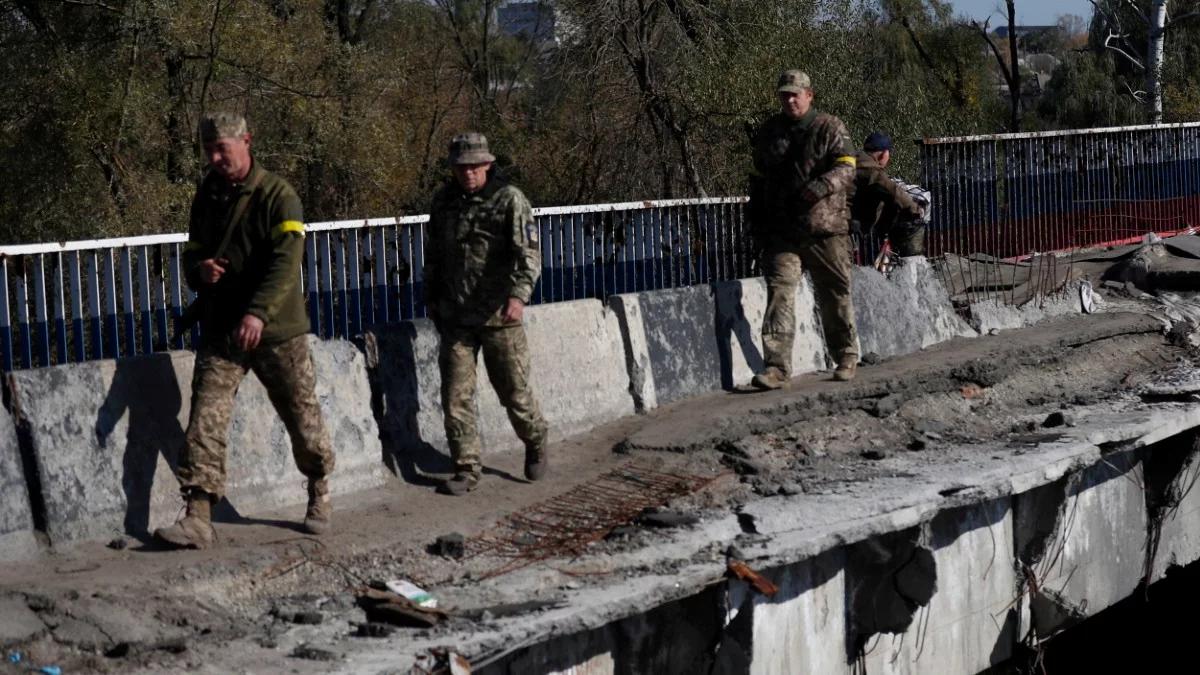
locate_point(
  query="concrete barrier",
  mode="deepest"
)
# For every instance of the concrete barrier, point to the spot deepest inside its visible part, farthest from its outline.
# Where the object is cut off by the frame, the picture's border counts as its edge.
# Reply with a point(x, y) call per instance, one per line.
point(107, 434)
point(904, 313)
point(687, 341)
point(16, 519)
point(578, 375)
point(995, 314)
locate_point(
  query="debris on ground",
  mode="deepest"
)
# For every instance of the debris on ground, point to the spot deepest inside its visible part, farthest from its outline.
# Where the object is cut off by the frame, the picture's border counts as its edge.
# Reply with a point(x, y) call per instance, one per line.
point(1058, 419)
point(662, 518)
point(393, 608)
point(507, 609)
point(451, 545)
point(310, 653)
point(372, 629)
point(412, 591)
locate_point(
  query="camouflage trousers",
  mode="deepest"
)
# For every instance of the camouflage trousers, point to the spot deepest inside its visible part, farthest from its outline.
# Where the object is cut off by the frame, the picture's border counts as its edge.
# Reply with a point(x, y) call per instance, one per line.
point(506, 356)
point(828, 261)
point(286, 370)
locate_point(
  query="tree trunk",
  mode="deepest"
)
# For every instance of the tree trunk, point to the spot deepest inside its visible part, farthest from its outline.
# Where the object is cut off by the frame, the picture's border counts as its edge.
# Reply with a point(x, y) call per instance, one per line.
point(1014, 85)
point(179, 134)
point(1154, 54)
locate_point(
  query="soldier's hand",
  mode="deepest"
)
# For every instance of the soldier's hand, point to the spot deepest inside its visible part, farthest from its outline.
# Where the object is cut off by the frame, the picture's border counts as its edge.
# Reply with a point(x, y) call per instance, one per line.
point(212, 269)
point(248, 333)
point(513, 310)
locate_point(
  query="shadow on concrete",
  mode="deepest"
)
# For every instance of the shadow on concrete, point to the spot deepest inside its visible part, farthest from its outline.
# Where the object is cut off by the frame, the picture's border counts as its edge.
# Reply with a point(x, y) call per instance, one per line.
point(147, 389)
point(732, 323)
point(395, 403)
point(500, 473)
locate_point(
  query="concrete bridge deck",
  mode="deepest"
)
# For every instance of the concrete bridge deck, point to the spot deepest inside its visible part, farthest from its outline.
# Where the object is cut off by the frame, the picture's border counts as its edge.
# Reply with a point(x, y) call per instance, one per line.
point(931, 516)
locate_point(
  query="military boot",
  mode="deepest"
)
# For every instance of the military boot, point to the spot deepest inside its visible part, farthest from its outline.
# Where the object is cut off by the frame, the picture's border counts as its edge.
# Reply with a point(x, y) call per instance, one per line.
point(771, 378)
point(462, 483)
point(536, 460)
point(316, 518)
point(845, 368)
point(195, 529)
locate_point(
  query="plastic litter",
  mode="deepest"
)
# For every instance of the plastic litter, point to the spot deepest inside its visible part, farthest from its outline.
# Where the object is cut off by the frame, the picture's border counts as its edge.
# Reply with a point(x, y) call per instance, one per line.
point(407, 589)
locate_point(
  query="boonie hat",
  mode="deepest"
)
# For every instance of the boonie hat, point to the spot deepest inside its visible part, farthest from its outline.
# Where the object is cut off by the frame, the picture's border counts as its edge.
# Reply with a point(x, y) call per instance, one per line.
point(470, 148)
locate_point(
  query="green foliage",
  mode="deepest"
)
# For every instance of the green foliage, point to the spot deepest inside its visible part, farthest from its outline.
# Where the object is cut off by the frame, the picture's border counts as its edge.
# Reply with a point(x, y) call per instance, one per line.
point(353, 101)
point(1083, 92)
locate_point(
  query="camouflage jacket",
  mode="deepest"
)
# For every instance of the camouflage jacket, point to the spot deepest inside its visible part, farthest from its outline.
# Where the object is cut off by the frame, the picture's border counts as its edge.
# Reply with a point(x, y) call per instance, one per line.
point(265, 253)
point(480, 250)
point(877, 199)
point(810, 155)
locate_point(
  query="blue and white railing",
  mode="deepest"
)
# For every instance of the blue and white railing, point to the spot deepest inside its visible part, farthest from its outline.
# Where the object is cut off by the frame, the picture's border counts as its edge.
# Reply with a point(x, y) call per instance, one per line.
point(112, 298)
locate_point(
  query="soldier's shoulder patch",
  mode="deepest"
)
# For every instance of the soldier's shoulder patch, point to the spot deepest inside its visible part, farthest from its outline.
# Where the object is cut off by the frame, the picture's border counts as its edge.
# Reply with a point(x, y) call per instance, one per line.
point(531, 232)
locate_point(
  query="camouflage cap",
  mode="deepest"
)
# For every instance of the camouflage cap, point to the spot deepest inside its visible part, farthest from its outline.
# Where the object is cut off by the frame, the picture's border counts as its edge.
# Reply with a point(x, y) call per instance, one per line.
point(218, 125)
point(470, 148)
point(793, 81)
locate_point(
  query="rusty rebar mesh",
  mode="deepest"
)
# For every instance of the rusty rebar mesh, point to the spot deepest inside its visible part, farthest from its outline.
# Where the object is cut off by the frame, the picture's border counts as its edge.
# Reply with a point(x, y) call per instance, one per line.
point(566, 524)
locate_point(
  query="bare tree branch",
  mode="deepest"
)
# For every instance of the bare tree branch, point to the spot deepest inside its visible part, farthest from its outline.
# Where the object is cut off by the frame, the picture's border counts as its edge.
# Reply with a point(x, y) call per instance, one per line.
point(1132, 59)
point(954, 89)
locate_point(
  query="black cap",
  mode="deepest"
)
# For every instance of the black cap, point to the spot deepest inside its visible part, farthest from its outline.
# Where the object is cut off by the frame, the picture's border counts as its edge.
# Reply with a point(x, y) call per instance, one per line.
point(877, 142)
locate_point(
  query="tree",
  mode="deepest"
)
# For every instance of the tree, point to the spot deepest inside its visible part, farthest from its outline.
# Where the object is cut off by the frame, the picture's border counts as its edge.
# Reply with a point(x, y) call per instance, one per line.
point(1009, 68)
point(1137, 30)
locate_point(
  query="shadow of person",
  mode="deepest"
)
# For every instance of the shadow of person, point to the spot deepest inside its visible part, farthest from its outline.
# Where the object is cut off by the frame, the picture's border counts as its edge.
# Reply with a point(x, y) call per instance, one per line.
point(501, 473)
point(147, 388)
point(393, 370)
point(732, 323)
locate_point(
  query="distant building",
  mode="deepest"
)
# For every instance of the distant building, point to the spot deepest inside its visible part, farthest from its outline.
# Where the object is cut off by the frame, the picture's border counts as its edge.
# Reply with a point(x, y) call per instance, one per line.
point(1024, 31)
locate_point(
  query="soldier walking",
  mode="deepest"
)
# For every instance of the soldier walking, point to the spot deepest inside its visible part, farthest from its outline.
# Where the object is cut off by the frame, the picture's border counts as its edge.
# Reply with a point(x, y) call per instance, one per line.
point(481, 262)
point(807, 164)
point(243, 255)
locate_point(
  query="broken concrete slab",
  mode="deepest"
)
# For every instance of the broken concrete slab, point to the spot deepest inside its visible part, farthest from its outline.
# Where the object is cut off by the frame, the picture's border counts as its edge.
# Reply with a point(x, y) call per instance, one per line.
point(1094, 554)
point(969, 623)
point(17, 540)
point(995, 314)
point(904, 312)
point(107, 435)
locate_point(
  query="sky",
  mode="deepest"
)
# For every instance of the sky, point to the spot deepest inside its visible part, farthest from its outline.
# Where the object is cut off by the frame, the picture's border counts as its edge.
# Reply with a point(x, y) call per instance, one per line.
point(1029, 12)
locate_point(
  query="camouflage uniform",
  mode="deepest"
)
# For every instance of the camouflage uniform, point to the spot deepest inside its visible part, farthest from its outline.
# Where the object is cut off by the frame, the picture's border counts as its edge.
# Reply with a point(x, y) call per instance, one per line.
point(884, 209)
point(812, 154)
point(286, 370)
point(262, 278)
point(480, 250)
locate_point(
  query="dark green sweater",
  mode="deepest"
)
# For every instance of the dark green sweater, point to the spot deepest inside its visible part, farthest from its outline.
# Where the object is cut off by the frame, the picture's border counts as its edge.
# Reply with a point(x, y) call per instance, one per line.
point(264, 253)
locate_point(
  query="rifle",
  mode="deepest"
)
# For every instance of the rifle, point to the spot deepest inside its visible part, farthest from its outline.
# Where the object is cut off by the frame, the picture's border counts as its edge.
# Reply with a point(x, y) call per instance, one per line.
point(195, 311)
